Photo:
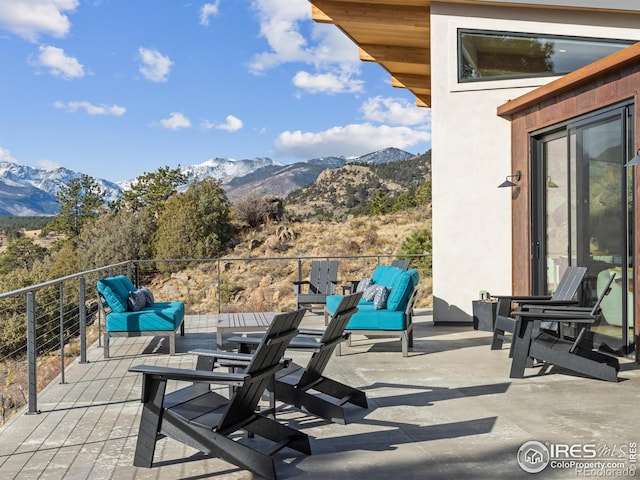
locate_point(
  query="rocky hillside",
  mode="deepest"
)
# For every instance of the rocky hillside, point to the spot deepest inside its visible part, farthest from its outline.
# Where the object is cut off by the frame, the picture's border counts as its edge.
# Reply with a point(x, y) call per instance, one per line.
point(349, 189)
point(258, 274)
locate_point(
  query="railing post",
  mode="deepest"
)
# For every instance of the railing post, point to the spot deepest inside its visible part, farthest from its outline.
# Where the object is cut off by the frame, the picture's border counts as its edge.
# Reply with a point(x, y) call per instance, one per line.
point(219, 288)
point(136, 274)
point(32, 387)
point(61, 299)
point(299, 269)
point(83, 320)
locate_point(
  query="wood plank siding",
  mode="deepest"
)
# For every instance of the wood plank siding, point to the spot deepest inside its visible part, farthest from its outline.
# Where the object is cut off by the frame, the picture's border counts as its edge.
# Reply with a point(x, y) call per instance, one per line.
point(606, 82)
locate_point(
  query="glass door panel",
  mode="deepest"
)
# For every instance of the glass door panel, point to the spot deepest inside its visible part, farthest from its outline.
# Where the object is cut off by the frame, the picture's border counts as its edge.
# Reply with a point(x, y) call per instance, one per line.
point(557, 218)
point(602, 217)
point(582, 209)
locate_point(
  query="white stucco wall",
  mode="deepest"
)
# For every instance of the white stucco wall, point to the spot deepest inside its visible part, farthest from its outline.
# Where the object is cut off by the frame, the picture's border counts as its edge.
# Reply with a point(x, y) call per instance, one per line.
point(471, 150)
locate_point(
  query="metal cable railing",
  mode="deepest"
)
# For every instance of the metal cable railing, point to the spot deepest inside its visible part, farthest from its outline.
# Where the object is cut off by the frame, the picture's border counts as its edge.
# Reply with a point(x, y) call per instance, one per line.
point(46, 326)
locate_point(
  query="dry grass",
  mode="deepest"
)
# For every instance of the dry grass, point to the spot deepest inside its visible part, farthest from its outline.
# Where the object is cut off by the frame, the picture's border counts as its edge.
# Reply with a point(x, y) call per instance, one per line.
point(44, 241)
point(266, 285)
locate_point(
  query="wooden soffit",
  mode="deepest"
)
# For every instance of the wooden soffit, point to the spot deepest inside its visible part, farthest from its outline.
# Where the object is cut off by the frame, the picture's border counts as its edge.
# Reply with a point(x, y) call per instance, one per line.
point(392, 33)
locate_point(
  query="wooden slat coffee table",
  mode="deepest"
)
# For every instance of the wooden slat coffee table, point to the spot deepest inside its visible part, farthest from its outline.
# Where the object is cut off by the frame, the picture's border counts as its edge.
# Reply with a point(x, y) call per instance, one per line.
point(241, 323)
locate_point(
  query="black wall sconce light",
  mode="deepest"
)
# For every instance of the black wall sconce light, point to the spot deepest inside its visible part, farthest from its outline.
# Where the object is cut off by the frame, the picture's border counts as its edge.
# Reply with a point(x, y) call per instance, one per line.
point(551, 183)
point(509, 183)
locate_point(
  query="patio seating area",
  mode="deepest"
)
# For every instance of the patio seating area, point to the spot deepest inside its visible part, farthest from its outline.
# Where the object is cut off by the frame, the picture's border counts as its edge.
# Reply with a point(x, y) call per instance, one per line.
point(449, 410)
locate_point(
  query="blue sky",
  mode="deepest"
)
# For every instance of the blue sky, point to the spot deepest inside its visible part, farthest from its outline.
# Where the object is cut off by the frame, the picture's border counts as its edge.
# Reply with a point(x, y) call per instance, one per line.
point(116, 88)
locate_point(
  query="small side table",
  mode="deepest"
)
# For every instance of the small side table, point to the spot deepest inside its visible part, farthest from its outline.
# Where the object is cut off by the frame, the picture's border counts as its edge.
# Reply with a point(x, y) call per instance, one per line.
point(484, 314)
point(242, 323)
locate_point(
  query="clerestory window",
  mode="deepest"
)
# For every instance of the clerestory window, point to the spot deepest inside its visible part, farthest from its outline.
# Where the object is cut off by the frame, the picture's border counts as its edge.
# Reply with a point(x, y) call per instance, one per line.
point(491, 55)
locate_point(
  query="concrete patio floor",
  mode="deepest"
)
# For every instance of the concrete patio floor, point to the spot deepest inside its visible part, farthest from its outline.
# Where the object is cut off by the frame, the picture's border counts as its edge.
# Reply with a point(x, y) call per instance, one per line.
point(448, 411)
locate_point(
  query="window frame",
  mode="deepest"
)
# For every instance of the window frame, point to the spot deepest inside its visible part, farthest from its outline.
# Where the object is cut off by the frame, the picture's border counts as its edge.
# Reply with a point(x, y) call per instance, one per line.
point(519, 35)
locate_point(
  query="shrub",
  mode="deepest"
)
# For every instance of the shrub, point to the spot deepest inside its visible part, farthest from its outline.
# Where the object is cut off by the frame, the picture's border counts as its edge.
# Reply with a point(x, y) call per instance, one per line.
point(420, 242)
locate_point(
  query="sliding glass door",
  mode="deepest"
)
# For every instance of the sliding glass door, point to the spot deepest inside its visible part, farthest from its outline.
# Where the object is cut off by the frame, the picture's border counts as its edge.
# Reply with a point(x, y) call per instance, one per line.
point(582, 209)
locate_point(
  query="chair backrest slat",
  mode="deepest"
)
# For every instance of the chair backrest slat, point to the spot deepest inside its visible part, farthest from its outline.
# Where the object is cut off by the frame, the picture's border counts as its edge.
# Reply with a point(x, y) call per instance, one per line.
point(403, 264)
point(335, 329)
point(267, 357)
point(569, 283)
point(323, 276)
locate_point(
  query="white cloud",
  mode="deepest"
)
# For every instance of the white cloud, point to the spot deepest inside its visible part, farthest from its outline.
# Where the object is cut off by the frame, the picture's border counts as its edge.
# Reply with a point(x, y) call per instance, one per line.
point(59, 64)
point(48, 164)
point(5, 156)
point(155, 66)
point(280, 26)
point(232, 124)
point(90, 108)
point(176, 121)
point(31, 18)
point(397, 111)
point(208, 10)
point(351, 140)
point(330, 83)
point(282, 23)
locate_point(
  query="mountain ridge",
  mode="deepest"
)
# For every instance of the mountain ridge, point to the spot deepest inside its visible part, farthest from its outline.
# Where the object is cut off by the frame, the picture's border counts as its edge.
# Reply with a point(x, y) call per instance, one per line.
point(29, 191)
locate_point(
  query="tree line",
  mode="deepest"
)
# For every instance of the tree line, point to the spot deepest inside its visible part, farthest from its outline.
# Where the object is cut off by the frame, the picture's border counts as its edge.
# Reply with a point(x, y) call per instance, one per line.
point(154, 219)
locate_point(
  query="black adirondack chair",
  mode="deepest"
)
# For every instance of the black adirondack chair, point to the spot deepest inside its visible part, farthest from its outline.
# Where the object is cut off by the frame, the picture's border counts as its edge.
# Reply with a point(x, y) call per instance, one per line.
point(531, 343)
point(564, 295)
point(403, 264)
point(323, 280)
point(205, 420)
point(306, 387)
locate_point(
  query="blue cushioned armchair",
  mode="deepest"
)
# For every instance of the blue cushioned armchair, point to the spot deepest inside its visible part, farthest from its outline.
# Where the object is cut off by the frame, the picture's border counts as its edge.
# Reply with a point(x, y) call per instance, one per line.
point(160, 318)
point(393, 318)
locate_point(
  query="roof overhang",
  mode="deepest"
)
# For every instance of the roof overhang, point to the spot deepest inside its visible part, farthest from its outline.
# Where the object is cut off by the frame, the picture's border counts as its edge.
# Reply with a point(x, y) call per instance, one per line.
point(393, 33)
point(397, 33)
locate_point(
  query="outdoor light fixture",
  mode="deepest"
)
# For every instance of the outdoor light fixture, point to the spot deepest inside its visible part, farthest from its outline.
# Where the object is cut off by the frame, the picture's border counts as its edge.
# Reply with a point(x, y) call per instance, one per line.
point(551, 183)
point(509, 183)
point(634, 161)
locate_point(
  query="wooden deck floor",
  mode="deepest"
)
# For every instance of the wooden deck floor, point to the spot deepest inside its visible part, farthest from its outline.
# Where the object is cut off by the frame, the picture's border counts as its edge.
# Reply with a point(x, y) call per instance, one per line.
point(448, 411)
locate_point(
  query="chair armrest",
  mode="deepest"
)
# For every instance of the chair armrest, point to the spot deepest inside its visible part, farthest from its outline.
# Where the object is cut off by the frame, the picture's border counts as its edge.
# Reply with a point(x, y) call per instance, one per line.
point(350, 286)
point(224, 355)
point(521, 298)
point(311, 332)
point(194, 376)
point(565, 308)
point(544, 303)
point(561, 316)
point(298, 284)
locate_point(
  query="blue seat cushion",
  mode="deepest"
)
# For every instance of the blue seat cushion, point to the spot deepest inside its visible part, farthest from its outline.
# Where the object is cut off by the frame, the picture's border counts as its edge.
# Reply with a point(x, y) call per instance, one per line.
point(161, 316)
point(368, 318)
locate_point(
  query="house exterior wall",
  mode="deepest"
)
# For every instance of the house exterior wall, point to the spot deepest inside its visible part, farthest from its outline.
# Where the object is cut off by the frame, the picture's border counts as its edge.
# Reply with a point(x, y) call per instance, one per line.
point(471, 153)
point(608, 89)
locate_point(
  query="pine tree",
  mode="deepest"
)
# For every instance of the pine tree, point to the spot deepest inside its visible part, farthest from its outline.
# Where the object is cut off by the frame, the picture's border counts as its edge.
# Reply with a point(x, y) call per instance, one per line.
point(79, 203)
point(152, 189)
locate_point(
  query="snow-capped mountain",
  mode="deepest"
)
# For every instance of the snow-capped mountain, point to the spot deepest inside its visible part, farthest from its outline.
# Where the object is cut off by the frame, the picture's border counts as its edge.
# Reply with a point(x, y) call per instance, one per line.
point(28, 191)
point(382, 156)
point(223, 168)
